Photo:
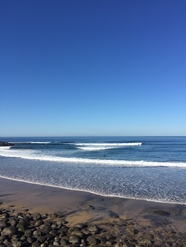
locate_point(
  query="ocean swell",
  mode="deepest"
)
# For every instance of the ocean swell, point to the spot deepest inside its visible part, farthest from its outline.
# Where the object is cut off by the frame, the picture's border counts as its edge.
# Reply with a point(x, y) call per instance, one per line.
point(38, 155)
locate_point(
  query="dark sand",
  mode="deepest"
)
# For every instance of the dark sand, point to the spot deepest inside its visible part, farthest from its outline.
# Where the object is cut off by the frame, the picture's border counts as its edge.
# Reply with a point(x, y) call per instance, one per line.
point(83, 207)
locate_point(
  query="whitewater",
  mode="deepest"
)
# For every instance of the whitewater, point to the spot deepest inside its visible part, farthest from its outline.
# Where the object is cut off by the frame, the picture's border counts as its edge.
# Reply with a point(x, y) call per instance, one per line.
point(147, 168)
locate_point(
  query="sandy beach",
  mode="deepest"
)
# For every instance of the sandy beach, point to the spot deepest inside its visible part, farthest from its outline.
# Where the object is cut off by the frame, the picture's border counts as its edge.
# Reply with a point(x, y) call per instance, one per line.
point(86, 208)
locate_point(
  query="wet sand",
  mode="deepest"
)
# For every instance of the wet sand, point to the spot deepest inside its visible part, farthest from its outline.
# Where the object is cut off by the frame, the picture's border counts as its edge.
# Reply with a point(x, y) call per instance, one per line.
point(83, 207)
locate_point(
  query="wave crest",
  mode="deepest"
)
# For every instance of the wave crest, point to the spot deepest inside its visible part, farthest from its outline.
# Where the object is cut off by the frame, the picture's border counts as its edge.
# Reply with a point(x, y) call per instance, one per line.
point(104, 146)
point(31, 155)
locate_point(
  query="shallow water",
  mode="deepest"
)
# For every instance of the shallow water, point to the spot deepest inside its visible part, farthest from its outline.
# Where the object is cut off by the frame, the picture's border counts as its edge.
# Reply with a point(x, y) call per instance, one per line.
point(150, 168)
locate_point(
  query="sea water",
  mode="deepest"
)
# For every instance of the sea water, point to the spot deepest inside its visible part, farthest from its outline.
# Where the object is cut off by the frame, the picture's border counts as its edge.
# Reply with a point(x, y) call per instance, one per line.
point(147, 168)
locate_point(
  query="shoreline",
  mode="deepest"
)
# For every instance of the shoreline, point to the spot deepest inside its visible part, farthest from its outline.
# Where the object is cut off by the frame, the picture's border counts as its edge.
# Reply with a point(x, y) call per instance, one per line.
point(87, 208)
point(90, 192)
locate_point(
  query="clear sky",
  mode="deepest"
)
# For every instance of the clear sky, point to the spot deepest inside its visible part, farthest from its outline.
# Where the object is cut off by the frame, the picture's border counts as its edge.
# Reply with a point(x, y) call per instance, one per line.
point(92, 67)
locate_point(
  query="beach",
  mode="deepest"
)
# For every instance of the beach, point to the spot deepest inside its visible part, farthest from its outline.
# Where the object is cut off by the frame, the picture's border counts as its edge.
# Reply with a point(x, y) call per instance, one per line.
point(129, 222)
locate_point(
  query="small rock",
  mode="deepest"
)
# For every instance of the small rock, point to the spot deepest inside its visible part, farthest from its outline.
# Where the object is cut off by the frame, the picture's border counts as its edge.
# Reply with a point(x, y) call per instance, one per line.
point(9, 231)
point(80, 226)
point(135, 231)
point(93, 228)
point(16, 243)
point(56, 243)
point(28, 233)
point(62, 233)
point(2, 238)
point(36, 216)
point(60, 222)
point(12, 221)
point(31, 240)
point(118, 245)
point(50, 236)
point(77, 232)
point(36, 233)
point(54, 226)
point(39, 222)
point(91, 240)
point(65, 228)
point(44, 245)
point(4, 215)
point(3, 223)
point(145, 242)
point(21, 227)
point(101, 238)
point(36, 244)
point(45, 228)
point(41, 239)
point(6, 242)
point(54, 232)
point(74, 239)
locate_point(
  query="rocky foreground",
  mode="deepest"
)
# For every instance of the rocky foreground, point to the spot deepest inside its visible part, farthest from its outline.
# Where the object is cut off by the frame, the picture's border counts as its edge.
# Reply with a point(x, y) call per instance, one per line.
point(44, 230)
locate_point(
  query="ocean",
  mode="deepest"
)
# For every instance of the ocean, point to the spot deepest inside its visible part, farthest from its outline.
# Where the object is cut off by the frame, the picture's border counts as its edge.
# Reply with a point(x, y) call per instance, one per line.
point(147, 168)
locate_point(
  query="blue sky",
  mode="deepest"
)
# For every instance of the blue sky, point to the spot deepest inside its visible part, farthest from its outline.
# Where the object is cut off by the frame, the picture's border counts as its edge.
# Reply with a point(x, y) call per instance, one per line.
point(97, 67)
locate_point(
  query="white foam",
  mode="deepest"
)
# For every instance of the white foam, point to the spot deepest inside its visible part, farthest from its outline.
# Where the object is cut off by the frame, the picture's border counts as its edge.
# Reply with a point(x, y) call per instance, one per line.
point(94, 148)
point(5, 147)
point(103, 146)
point(109, 144)
point(38, 155)
point(94, 192)
point(40, 142)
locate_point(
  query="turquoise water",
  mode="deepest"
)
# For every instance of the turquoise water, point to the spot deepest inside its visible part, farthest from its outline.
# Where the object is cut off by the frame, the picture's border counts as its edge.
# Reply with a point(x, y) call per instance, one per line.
point(149, 168)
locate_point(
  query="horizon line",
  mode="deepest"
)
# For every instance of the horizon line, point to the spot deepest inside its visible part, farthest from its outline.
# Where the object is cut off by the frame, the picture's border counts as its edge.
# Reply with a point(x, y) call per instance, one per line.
point(45, 136)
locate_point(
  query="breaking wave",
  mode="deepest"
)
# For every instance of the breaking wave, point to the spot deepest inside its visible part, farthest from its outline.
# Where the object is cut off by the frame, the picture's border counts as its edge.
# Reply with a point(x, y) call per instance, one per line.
point(104, 146)
point(38, 155)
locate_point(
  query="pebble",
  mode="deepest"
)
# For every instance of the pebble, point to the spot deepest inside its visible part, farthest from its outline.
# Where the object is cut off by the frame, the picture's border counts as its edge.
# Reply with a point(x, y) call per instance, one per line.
point(91, 240)
point(93, 228)
point(8, 231)
point(43, 230)
point(74, 239)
